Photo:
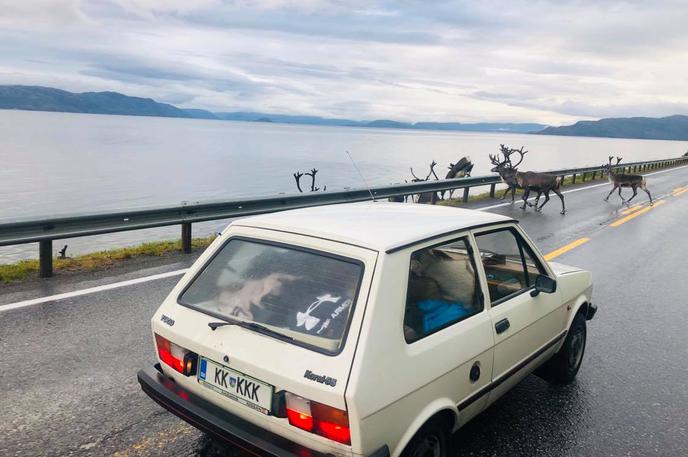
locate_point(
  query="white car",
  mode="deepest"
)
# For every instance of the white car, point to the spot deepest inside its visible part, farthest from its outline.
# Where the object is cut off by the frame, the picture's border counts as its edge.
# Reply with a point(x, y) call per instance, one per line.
point(362, 329)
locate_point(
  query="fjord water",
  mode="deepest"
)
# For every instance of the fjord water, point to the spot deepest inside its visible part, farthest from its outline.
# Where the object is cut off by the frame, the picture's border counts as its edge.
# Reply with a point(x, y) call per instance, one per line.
point(63, 163)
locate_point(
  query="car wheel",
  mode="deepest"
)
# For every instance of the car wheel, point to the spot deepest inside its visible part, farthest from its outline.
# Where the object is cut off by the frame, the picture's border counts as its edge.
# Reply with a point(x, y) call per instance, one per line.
point(430, 441)
point(564, 365)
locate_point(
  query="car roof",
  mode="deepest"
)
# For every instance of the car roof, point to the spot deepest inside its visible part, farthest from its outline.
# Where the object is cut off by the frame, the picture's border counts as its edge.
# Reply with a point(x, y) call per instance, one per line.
point(381, 226)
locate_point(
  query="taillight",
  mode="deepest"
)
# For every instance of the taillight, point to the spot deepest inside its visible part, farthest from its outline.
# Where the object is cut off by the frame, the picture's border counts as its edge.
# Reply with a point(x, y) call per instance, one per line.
point(314, 417)
point(182, 360)
point(331, 423)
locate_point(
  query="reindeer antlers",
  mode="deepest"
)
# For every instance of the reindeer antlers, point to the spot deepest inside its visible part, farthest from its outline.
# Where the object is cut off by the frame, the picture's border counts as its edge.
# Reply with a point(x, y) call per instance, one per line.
point(432, 172)
point(312, 174)
point(618, 159)
point(297, 177)
point(416, 178)
point(520, 152)
point(507, 156)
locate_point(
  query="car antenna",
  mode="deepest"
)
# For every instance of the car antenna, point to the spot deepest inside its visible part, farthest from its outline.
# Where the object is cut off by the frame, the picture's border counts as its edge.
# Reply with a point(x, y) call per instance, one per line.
point(365, 183)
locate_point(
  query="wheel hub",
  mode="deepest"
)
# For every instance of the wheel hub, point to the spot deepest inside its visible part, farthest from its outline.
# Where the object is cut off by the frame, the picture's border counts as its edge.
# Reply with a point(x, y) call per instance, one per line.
point(430, 446)
point(577, 345)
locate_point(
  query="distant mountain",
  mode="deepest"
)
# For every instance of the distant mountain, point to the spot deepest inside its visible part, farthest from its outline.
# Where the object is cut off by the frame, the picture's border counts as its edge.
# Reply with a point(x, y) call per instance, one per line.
point(288, 119)
point(199, 113)
point(383, 123)
point(386, 124)
point(481, 127)
point(650, 128)
point(37, 98)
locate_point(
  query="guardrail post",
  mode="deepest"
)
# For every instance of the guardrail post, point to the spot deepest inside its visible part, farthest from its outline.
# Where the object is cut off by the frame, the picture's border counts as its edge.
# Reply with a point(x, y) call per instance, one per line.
point(492, 190)
point(573, 181)
point(186, 237)
point(45, 258)
point(594, 173)
point(465, 194)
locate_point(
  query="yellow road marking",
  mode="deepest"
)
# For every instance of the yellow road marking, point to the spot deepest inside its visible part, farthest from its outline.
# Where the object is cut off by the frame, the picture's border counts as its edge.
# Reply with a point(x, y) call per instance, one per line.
point(632, 209)
point(680, 192)
point(566, 248)
point(623, 220)
point(679, 189)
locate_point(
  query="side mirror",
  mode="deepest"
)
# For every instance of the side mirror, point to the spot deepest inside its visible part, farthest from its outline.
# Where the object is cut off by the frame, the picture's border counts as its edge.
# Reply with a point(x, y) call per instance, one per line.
point(543, 284)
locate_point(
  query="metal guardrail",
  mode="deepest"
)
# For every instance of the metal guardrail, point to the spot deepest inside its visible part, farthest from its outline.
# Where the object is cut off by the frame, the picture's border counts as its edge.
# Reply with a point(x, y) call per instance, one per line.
point(44, 231)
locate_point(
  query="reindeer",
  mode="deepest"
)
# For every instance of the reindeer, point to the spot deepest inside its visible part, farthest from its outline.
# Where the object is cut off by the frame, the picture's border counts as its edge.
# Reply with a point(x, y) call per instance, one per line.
point(426, 197)
point(542, 183)
point(620, 180)
point(460, 169)
point(507, 171)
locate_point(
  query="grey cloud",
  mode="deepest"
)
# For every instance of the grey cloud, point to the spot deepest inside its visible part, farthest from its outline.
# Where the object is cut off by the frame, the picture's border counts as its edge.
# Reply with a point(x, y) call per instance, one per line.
point(546, 61)
point(138, 70)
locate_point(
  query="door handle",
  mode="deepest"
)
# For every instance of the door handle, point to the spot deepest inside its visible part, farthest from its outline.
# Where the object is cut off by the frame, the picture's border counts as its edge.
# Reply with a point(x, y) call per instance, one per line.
point(502, 326)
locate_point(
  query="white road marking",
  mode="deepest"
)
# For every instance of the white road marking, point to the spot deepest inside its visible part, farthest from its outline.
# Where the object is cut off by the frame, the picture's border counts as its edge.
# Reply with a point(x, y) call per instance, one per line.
point(131, 282)
point(90, 290)
point(593, 186)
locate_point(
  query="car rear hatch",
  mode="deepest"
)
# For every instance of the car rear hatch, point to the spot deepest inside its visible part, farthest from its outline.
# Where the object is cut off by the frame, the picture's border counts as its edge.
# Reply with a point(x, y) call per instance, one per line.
point(268, 315)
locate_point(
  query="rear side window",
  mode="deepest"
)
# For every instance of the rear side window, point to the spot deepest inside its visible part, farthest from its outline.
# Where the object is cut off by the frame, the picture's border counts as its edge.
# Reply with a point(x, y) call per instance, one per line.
point(302, 294)
point(442, 289)
point(510, 266)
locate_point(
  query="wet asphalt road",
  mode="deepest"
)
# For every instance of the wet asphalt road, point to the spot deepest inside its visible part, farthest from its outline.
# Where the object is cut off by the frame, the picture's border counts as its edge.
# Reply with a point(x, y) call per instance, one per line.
point(68, 368)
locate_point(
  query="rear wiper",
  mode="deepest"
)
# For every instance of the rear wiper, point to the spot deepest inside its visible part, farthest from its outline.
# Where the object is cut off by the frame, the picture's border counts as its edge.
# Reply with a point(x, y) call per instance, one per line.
point(251, 326)
point(215, 325)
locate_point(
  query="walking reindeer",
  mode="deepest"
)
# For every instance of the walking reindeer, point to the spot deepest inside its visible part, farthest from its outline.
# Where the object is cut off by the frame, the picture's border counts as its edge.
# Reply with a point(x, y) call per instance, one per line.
point(542, 183)
point(620, 180)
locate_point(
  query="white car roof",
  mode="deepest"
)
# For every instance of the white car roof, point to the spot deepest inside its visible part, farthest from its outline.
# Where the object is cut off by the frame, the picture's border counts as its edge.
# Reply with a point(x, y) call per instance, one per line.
point(381, 226)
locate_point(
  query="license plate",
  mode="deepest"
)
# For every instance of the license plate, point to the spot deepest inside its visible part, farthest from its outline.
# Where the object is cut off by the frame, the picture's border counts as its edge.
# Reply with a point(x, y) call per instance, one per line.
point(235, 385)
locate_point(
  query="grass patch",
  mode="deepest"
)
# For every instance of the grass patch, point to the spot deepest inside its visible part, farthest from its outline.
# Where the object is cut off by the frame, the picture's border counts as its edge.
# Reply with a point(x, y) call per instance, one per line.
point(97, 260)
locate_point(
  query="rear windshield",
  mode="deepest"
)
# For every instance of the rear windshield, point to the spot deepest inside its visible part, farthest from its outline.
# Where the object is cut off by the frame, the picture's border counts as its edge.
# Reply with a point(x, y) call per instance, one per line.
point(302, 294)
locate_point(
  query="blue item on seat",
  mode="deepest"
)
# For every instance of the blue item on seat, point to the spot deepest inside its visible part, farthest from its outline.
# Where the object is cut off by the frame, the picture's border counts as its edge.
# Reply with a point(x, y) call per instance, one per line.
point(437, 313)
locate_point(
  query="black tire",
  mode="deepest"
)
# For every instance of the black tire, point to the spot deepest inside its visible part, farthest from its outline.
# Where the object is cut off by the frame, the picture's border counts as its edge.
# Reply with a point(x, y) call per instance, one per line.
point(429, 441)
point(564, 365)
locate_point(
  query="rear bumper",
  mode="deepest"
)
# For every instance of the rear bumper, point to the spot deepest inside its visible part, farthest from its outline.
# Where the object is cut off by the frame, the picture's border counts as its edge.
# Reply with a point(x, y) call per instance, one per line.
point(211, 419)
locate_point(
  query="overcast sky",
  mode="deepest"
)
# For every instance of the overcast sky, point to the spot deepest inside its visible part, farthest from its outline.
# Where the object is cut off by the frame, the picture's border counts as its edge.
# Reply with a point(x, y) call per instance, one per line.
point(544, 61)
